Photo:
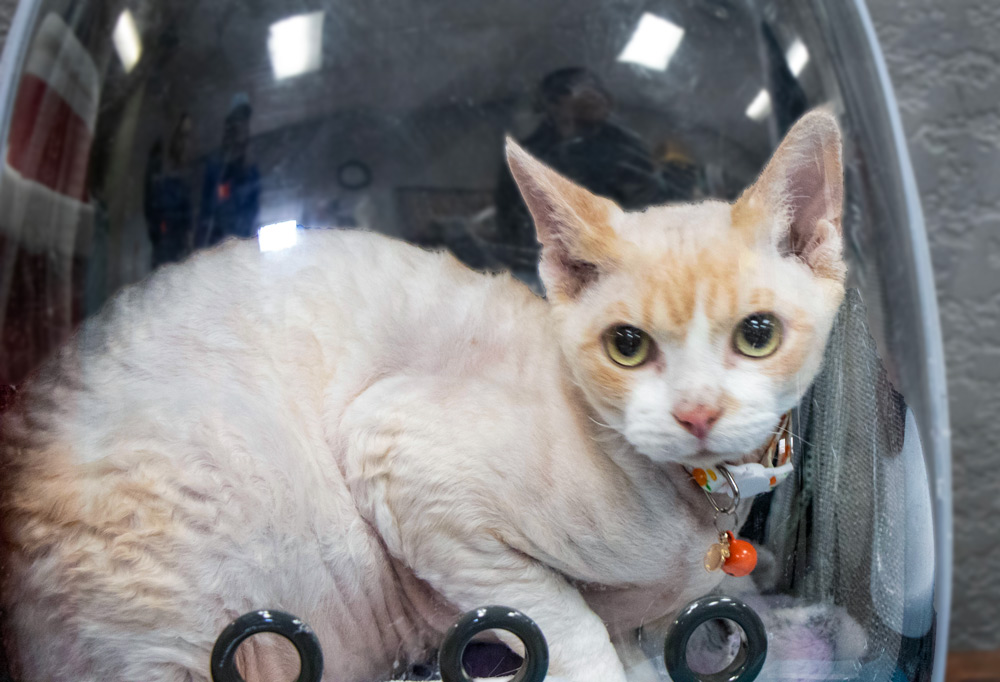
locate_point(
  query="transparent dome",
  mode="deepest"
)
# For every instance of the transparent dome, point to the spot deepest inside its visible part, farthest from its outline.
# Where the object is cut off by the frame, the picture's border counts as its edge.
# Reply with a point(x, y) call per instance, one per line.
point(137, 133)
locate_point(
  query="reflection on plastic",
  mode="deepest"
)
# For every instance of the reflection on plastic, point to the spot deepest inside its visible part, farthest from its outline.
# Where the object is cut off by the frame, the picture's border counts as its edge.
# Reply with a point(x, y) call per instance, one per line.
point(278, 236)
point(428, 120)
point(760, 107)
point(128, 45)
point(797, 57)
point(296, 45)
point(654, 42)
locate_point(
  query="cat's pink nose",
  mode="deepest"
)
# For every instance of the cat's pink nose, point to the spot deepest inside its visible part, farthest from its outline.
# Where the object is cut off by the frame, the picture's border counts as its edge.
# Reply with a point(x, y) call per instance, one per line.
point(698, 420)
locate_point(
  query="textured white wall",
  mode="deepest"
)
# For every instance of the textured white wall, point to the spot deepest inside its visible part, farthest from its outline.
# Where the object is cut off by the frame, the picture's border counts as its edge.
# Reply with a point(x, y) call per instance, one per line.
point(944, 57)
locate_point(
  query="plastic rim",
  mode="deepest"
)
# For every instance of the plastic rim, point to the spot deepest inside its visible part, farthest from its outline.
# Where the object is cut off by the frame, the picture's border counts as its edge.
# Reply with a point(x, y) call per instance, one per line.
point(536, 651)
point(288, 626)
point(753, 649)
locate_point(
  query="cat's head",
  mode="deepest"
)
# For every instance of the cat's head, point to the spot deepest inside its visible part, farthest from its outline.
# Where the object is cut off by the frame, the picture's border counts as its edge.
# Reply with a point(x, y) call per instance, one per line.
point(692, 328)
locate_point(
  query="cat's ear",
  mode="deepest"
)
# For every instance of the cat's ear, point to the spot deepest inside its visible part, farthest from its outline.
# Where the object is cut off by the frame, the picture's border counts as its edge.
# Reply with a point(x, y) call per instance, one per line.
point(800, 194)
point(574, 226)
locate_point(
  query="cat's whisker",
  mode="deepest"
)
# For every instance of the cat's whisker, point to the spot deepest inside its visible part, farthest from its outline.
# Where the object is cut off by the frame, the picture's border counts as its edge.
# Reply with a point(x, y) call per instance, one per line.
point(800, 439)
point(805, 442)
point(607, 426)
point(777, 432)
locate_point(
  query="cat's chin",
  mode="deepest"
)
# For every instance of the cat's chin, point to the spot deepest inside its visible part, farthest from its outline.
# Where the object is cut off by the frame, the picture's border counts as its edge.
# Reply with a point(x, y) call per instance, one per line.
point(699, 458)
point(703, 457)
point(731, 446)
point(706, 457)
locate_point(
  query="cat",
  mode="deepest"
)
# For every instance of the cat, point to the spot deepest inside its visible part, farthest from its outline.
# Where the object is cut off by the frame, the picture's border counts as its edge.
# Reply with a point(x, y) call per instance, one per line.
point(376, 438)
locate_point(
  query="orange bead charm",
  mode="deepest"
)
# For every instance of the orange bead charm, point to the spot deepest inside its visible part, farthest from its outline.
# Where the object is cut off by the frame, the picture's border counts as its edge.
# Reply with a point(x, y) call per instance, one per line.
point(742, 557)
point(700, 477)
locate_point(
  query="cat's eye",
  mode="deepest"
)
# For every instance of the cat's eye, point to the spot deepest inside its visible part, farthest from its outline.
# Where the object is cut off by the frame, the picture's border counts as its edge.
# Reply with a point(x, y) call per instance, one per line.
point(757, 335)
point(627, 345)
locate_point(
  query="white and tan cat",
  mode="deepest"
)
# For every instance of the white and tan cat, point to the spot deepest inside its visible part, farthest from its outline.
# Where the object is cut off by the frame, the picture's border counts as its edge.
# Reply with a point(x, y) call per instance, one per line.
point(376, 438)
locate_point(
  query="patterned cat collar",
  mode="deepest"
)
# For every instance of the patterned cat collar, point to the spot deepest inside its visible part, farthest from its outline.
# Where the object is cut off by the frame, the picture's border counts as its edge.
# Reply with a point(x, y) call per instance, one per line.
point(753, 478)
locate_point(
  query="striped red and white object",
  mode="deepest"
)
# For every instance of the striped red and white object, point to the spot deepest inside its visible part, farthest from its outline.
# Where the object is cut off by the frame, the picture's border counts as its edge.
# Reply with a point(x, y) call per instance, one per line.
point(46, 223)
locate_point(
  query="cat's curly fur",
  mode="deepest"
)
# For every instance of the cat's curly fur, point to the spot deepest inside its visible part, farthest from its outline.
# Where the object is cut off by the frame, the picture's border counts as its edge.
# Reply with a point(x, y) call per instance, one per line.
point(375, 438)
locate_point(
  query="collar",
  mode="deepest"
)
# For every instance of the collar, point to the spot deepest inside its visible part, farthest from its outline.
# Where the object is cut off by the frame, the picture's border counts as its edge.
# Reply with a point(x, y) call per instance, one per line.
point(752, 478)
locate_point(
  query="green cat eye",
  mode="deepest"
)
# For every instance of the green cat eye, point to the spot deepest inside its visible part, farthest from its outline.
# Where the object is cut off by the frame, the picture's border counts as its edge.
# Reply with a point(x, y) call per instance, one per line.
point(627, 345)
point(757, 335)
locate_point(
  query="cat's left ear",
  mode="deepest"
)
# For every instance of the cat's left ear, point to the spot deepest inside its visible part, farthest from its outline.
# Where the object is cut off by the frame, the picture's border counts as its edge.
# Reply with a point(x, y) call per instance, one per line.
point(800, 194)
point(574, 226)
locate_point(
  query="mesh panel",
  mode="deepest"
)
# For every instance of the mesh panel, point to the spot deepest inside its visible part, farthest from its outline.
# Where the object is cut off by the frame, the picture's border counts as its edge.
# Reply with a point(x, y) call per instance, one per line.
point(838, 534)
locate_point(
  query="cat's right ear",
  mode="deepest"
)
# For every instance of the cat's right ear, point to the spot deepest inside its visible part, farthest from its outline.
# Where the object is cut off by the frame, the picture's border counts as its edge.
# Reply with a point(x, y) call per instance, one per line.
point(574, 226)
point(799, 197)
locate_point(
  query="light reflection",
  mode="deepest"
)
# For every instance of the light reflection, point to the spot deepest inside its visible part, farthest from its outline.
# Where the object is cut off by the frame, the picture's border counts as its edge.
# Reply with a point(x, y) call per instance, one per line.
point(278, 236)
point(797, 56)
point(126, 39)
point(654, 43)
point(296, 45)
point(760, 107)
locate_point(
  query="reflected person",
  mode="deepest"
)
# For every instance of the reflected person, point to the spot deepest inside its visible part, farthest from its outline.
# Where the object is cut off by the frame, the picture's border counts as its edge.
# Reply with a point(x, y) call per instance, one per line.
point(577, 139)
point(231, 190)
point(169, 208)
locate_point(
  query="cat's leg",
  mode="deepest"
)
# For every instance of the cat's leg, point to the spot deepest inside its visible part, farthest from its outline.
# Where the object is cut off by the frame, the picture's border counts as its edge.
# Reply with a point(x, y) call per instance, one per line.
point(424, 460)
point(472, 569)
point(580, 649)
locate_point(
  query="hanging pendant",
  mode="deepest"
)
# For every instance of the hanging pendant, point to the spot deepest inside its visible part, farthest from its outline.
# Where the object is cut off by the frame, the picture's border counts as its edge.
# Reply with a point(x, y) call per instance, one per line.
point(717, 554)
point(735, 557)
point(741, 559)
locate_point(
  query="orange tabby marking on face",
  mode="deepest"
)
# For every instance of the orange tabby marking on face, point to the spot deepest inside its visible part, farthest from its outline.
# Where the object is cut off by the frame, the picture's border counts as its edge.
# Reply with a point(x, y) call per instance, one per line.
point(798, 338)
point(624, 313)
point(761, 299)
point(709, 276)
point(728, 404)
point(722, 292)
point(612, 379)
point(677, 300)
point(749, 215)
point(646, 304)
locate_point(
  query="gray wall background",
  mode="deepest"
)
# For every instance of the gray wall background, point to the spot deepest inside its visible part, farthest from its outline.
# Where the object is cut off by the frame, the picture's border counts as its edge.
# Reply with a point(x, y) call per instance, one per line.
point(944, 58)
